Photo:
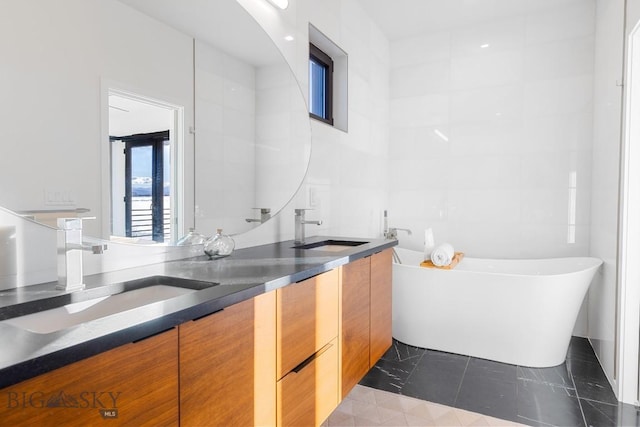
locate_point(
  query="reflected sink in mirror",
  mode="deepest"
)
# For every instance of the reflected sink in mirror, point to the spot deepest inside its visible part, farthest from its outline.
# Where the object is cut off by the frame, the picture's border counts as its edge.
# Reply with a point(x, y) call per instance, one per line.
point(118, 299)
point(331, 245)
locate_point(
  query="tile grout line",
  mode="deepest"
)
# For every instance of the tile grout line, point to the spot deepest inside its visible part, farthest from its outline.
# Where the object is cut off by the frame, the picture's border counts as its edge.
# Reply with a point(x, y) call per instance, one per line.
point(412, 371)
point(455, 401)
point(570, 371)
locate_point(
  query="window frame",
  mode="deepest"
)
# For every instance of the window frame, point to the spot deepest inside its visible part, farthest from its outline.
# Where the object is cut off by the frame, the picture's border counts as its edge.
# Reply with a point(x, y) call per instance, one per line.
point(325, 60)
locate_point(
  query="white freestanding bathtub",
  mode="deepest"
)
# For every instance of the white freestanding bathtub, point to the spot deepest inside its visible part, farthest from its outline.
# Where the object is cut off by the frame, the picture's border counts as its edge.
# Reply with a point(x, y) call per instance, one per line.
point(513, 311)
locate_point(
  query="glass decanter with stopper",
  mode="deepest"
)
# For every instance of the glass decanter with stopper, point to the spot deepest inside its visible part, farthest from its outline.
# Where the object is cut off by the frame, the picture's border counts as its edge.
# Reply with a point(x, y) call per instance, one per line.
point(218, 246)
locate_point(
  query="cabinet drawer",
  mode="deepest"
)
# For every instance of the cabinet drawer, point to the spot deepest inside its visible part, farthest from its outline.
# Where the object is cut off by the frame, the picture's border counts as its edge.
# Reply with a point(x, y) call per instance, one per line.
point(307, 319)
point(308, 394)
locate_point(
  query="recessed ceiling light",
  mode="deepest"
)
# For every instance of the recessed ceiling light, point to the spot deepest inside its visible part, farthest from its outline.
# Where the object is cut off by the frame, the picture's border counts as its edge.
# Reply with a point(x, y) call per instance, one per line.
point(484, 46)
point(282, 4)
point(289, 38)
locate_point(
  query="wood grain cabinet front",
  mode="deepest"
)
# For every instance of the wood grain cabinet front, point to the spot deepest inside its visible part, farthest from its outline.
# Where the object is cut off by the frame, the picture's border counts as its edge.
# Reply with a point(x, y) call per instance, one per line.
point(133, 385)
point(380, 310)
point(366, 316)
point(356, 277)
point(308, 394)
point(307, 319)
point(307, 350)
point(227, 366)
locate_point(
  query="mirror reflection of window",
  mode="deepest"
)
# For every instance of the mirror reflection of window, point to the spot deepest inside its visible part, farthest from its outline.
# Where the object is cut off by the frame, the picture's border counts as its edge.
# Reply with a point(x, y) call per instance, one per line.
point(141, 138)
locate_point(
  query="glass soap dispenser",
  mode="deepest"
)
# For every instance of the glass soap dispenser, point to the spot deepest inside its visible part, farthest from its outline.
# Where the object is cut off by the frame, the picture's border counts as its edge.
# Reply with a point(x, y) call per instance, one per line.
point(218, 246)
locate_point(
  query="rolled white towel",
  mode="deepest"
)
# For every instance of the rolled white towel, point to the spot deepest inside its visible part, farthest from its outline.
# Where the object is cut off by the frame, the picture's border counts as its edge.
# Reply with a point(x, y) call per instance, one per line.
point(442, 255)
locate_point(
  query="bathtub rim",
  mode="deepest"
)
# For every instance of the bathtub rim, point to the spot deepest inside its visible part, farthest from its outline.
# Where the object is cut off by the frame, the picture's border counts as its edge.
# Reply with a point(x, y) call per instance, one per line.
point(594, 263)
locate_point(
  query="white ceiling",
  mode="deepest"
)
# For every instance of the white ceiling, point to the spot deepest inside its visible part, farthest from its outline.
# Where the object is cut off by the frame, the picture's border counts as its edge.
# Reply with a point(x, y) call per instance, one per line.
point(221, 23)
point(403, 18)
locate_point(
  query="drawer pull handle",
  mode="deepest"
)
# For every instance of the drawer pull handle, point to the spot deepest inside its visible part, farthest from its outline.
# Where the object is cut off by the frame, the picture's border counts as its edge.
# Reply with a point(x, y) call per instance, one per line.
point(207, 315)
point(152, 335)
point(311, 358)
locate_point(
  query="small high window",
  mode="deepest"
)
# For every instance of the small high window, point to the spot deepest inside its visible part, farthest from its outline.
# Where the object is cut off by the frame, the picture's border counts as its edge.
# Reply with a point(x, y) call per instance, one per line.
point(328, 81)
point(320, 85)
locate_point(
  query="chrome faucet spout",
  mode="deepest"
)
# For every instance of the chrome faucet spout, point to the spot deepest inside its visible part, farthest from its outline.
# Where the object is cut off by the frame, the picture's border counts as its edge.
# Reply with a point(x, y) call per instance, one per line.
point(70, 248)
point(299, 225)
point(392, 232)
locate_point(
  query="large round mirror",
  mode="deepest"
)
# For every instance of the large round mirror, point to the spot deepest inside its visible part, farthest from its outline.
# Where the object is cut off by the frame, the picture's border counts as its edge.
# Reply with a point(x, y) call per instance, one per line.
point(154, 116)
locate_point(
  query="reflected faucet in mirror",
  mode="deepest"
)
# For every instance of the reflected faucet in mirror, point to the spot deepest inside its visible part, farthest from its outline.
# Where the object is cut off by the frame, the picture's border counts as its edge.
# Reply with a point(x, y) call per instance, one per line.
point(265, 214)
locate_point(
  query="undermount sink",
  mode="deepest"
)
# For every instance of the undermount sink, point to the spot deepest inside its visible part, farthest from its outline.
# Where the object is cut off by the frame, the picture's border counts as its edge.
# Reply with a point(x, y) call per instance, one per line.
point(131, 295)
point(331, 245)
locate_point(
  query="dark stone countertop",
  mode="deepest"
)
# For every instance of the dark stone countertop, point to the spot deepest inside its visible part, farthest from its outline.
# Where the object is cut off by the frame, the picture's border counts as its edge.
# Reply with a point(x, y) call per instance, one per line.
point(218, 283)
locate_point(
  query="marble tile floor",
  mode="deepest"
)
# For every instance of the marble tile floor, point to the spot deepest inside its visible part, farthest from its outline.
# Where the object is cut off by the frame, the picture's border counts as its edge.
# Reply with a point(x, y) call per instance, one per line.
point(575, 393)
point(366, 406)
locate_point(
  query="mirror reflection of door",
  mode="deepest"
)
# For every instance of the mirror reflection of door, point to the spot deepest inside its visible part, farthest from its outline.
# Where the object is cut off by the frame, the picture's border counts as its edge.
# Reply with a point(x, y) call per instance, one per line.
point(146, 184)
point(141, 135)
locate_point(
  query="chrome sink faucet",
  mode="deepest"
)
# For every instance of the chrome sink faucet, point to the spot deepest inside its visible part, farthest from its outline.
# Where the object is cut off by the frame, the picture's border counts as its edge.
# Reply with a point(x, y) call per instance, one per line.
point(70, 247)
point(300, 223)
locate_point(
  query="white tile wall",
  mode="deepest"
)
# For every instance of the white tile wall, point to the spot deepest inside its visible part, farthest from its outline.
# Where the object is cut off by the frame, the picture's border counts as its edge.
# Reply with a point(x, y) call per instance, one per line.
point(517, 115)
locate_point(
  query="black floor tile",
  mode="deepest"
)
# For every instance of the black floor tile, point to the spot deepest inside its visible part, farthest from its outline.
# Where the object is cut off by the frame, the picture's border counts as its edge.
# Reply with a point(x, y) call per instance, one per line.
point(388, 375)
point(440, 358)
point(436, 377)
point(488, 396)
point(481, 368)
point(565, 395)
point(557, 375)
point(544, 404)
point(432, 386)
point(591, 382)
point(400, 352)
point(600, 414)
point(580, 349)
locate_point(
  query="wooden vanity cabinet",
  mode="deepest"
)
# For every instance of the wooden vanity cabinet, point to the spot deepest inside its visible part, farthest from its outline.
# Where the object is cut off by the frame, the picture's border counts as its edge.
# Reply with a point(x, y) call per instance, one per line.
point(366, 316)
point(380, 309)
point(307, 350)
point(227, 366)
point(286, 358)
point(356, 277)
point(135, 384)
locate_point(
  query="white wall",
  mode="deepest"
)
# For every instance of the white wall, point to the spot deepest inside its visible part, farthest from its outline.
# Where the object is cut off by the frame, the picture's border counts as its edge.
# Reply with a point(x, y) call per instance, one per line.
point(517, 115)
point(604, 207)
point(346, 183)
